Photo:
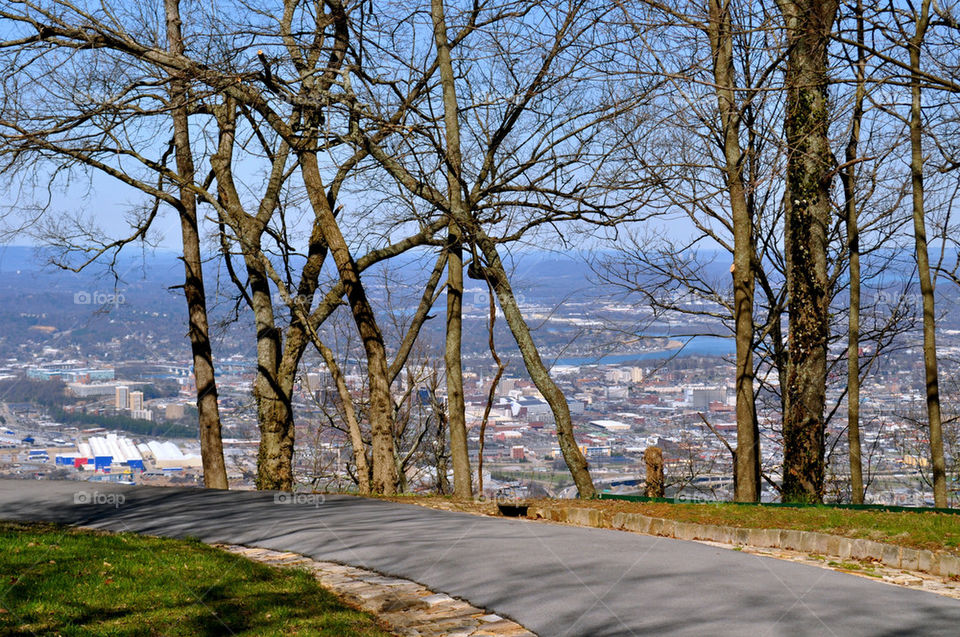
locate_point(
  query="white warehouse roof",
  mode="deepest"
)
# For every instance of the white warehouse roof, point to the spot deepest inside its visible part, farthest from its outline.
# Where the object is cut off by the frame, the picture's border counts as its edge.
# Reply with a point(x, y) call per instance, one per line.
point(165, 450)
point(611, 425)
point(120, 448)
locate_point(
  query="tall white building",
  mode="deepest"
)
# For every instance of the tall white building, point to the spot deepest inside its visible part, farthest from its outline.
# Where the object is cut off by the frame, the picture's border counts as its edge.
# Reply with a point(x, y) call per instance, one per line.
point(123, 397)
point(136, 401)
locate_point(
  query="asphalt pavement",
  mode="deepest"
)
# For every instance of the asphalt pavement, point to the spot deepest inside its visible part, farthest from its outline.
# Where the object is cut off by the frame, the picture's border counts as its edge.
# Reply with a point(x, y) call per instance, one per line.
point(555, 580)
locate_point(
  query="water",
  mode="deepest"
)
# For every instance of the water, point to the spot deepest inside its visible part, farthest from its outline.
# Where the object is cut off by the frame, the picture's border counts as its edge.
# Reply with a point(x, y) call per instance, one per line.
point(697, 346)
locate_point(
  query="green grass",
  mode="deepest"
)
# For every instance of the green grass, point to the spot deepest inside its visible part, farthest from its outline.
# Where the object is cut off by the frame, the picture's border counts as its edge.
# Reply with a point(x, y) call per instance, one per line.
point(922, 529)
point(914, 529)
point(60, 580)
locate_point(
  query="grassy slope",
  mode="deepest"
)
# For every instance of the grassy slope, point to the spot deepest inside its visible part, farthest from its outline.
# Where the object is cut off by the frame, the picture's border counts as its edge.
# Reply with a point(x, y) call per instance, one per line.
point(927, 530)
point(935, 531)
point(73, 582)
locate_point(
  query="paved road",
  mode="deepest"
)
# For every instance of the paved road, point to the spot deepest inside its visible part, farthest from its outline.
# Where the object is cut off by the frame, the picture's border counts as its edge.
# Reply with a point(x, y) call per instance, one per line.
point(555, 580)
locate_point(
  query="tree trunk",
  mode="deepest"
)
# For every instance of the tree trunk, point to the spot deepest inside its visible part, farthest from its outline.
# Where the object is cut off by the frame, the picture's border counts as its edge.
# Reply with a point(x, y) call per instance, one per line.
point(491, 395)
point(574, 458)
point(385, 476)
point(653, 458)
point(297, 335)
point(807, 208)
point(350, 415)
point(275, 453)
point(440, 456)
point(456, 418)
point(931, 373)
point(747, 457)
point(853, 246)
point(272, 392)
point(456, 408)
point(211, 444)
point(274, 412)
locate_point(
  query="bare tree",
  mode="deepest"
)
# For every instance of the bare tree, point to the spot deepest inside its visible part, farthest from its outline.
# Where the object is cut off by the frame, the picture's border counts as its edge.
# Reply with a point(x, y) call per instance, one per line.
point(722, 103)
point(211, 446)
point(747, 468)
point(808, 26)
point(51, 124)
point(915, 42)
point(536, 146)
point(310, 43)
point(848, 177)
point(456, 414)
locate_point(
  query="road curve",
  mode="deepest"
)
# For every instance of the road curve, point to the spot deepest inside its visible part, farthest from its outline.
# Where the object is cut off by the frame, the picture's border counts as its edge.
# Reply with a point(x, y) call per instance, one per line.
point(558, 581)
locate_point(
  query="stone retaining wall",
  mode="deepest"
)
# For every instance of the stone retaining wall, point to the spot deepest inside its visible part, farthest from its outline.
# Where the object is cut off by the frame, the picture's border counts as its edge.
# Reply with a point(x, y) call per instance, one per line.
point(936, 563)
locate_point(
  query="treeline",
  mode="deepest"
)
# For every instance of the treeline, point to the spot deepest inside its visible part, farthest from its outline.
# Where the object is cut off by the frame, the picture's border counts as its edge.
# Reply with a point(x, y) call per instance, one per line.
point(53, 395)
point(124, 423)
point(47, 393)
point(807, 140)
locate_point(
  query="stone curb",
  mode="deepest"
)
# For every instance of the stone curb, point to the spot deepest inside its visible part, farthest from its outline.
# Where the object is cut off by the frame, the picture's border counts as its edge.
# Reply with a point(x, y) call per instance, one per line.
point(933, 562)
point(404, 607)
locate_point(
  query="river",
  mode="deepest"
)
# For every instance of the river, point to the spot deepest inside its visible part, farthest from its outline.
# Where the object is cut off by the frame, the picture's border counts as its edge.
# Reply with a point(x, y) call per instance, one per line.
point(696, 346)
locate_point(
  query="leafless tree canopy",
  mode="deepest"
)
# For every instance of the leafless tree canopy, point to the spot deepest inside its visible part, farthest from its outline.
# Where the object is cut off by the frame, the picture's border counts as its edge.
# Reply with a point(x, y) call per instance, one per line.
point(809, 145)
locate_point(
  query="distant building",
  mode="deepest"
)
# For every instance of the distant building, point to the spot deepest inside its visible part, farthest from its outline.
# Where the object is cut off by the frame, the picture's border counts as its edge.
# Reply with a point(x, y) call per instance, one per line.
point(108, 450)
point(174, 411)
point(529, 409)
point(595, 451)
point(86, 390)
point(136, 401)
point(166, 455)
point(319, 380)
point(69, 373)
point(610, 425)
point(518, 452)
point(618, 376)
point(701, 397)
point(123, 397)
point(618, 392)
point(142, 414)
